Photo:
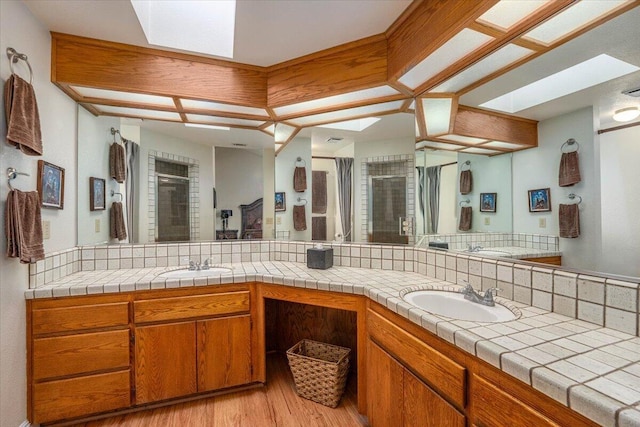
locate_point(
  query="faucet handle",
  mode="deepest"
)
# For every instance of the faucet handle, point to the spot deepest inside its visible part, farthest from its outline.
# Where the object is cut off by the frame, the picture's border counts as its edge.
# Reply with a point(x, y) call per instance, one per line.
point(192, 265)
point(205, 264)
point(488, 296)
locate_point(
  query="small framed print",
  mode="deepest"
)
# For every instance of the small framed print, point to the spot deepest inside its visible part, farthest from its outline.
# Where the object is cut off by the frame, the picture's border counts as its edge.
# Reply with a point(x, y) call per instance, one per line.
point(540, 200)
point(281, 202)
point(488, 202)
point(97, 194)
point(50, 185)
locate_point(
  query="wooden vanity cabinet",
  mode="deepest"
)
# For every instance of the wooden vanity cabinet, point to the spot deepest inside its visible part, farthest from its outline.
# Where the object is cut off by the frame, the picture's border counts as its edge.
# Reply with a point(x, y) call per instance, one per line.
point(196, 343)
point(78, 357)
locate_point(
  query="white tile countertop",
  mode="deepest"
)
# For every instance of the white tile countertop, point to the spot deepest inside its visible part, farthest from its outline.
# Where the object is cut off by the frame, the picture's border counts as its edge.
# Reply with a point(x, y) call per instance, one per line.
point(593, 370)
point(516, 252)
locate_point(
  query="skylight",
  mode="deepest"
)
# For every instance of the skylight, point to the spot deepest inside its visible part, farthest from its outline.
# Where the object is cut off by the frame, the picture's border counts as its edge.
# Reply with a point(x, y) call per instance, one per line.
point(357, 125)
point(581, 76)
point(198, 26)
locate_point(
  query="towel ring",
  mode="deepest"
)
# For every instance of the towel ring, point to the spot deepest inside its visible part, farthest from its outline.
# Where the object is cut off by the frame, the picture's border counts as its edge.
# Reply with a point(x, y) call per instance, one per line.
point(12, 174)
point(113, 193)
point(573, 196)
point(13, 56)
point(300, 199)
point(467, 163)
point(301, 160)
point(464, 201)
point(569, 142)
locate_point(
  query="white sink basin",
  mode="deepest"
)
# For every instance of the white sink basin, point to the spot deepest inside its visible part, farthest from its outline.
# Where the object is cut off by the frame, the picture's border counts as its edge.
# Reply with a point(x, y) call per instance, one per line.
point(453, 305)
point(191, 274)
point(491, 252)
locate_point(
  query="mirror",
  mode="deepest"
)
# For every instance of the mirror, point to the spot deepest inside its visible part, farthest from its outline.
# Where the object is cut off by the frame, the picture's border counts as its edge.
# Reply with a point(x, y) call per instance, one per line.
point(382, 152)
point(185, 179)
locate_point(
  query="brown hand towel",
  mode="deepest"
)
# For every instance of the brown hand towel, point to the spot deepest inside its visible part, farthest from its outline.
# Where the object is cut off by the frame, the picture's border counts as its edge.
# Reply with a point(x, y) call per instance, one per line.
point(300, 179)
point(23, 226)
point(117, 228)
point(299, 218)
point(466, 182)
point(23, 119)
point(319, 228)
point(569, 169)
point(117, 168)
point(319, 192)
point(465, 219)
point(569, 218)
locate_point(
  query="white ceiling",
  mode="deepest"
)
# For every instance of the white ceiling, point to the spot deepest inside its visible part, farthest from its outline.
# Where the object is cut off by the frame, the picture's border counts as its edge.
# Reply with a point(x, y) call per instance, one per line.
point(269, 32)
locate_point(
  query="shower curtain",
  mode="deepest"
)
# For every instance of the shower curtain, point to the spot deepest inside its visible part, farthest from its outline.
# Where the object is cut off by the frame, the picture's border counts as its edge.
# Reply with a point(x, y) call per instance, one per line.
point(433, 175)
point(343, 175)
point(421, 182)
point(131, 183)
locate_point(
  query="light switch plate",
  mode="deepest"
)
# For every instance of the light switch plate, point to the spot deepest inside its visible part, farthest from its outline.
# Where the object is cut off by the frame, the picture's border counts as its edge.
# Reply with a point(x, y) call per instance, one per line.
point(278, 220)
point(97, 226)
point(542, 222)
point(268, 221)
point(46, 230)
point(487, 220)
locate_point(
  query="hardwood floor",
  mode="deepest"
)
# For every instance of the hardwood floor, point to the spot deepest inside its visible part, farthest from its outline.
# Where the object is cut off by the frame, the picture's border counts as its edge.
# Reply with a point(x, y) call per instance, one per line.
point(275, 405)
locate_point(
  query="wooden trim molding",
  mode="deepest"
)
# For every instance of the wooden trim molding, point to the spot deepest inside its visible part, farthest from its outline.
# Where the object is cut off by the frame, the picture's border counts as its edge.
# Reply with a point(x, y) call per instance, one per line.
point(493, 126)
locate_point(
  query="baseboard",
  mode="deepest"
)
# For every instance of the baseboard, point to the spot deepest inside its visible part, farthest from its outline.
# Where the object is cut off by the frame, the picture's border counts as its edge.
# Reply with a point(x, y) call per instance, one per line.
point(26, 423)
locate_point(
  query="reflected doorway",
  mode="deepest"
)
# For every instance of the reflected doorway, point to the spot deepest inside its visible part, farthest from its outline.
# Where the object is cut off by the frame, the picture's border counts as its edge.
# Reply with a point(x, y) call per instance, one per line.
point(172, 202)
point(387, 207)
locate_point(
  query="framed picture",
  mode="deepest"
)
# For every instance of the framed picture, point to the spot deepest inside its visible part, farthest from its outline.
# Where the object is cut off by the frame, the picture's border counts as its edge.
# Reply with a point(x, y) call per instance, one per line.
point(540, 200)
point(281, 202)
point(96, 194)
point(50, 185)
point(488, 202)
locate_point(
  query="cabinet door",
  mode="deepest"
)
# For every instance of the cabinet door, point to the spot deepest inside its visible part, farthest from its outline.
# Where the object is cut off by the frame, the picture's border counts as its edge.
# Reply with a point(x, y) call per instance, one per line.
point(224, 352)
point(384, 388)
point(165, 361)
point(424, 408)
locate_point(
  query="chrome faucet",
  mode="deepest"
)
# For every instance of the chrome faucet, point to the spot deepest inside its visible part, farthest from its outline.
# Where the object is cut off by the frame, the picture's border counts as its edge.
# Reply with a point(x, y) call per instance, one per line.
point(196, 266)
point(485, 299)
point(474, 248)
point(205, 264)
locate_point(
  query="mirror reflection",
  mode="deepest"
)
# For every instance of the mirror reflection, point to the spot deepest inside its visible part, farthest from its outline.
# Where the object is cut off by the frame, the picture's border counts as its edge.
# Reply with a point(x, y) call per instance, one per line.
point(184, 184)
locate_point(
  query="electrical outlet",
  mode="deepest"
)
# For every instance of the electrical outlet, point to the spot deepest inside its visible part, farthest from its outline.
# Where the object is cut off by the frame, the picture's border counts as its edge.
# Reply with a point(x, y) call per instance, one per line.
point(279, 220)
point(46, 230)
point(97, 226)
point(542, 222)
point(487, 220)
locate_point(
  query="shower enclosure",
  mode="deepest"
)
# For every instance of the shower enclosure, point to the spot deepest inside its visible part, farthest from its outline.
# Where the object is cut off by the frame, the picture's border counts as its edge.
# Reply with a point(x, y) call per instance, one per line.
point(172, 202)
point(387, 208)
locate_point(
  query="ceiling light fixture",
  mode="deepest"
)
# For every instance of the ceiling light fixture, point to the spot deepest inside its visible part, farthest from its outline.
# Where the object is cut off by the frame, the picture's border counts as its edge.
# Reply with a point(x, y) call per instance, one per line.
point(626, 114)
point(200, 125)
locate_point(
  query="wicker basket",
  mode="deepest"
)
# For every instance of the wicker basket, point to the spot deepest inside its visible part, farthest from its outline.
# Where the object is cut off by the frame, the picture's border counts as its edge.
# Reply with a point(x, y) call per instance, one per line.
point(319, 371)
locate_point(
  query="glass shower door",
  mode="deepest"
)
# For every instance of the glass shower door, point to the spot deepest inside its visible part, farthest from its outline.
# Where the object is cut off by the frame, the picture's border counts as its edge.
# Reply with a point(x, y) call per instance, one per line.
point(387, 205)
point(172, 209)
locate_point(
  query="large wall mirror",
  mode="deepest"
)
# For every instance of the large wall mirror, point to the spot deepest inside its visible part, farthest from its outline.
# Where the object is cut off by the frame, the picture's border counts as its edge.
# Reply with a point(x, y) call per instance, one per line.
point(187, 184)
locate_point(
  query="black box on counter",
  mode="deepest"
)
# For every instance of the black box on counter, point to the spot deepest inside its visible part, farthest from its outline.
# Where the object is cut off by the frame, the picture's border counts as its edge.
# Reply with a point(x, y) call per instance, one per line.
point(320, 258)
point(439, 245)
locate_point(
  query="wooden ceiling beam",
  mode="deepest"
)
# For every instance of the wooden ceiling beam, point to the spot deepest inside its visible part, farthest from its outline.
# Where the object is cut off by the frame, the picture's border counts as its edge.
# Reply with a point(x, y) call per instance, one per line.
point(495, 126)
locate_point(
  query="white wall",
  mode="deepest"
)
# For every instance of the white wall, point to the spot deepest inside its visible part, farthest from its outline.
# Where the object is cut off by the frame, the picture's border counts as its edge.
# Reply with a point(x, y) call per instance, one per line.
point(94, 140)
point(538, 168)
point(238, 173)
point(620, 190)
point(20, 30)
point(490, 175)
point(447, 219)
point(285, 165)
point(168, 144)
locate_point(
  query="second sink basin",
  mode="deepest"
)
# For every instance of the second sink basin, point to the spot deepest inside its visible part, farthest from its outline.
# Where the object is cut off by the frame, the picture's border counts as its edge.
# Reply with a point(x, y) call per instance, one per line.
point(453, 305)
point(190, 274)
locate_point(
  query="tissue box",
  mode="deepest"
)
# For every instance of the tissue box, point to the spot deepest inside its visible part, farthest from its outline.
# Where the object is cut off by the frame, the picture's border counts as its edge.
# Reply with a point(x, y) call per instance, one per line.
point(439, 245)
point(320, 258)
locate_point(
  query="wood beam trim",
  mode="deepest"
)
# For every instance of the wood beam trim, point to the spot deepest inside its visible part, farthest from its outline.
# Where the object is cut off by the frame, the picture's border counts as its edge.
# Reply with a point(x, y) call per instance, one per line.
point(361, 67)
point(106, 65)
point(354, 117)
point(481, 124)
point(499, 33)
point(428, 27)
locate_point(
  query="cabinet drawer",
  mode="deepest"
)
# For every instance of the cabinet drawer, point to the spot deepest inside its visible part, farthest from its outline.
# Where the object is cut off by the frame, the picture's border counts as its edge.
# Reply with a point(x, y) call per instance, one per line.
point(491, 406)
point(67, 319)
point(437, 370)
point(188, 307)
point(76, 397)
point(76, 354)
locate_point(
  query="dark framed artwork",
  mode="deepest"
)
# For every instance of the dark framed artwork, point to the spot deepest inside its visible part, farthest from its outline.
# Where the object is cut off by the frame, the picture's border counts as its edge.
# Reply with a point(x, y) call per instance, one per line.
point(540, 200)
point(488, 202)
point(97, 194)
point(281, 202)
point(50, 185)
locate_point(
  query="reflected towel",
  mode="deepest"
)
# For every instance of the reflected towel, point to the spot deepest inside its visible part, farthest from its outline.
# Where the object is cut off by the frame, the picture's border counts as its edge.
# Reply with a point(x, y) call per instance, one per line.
point(300, 179)
point(117, 168)
point(23, 119)
point(465, 219)
point(117, 228)
point(319, 228)
point(299, 218)
point(319, 192)
point(23, 226)
point(466, 182)
point(569, 219)
point(569, 169)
